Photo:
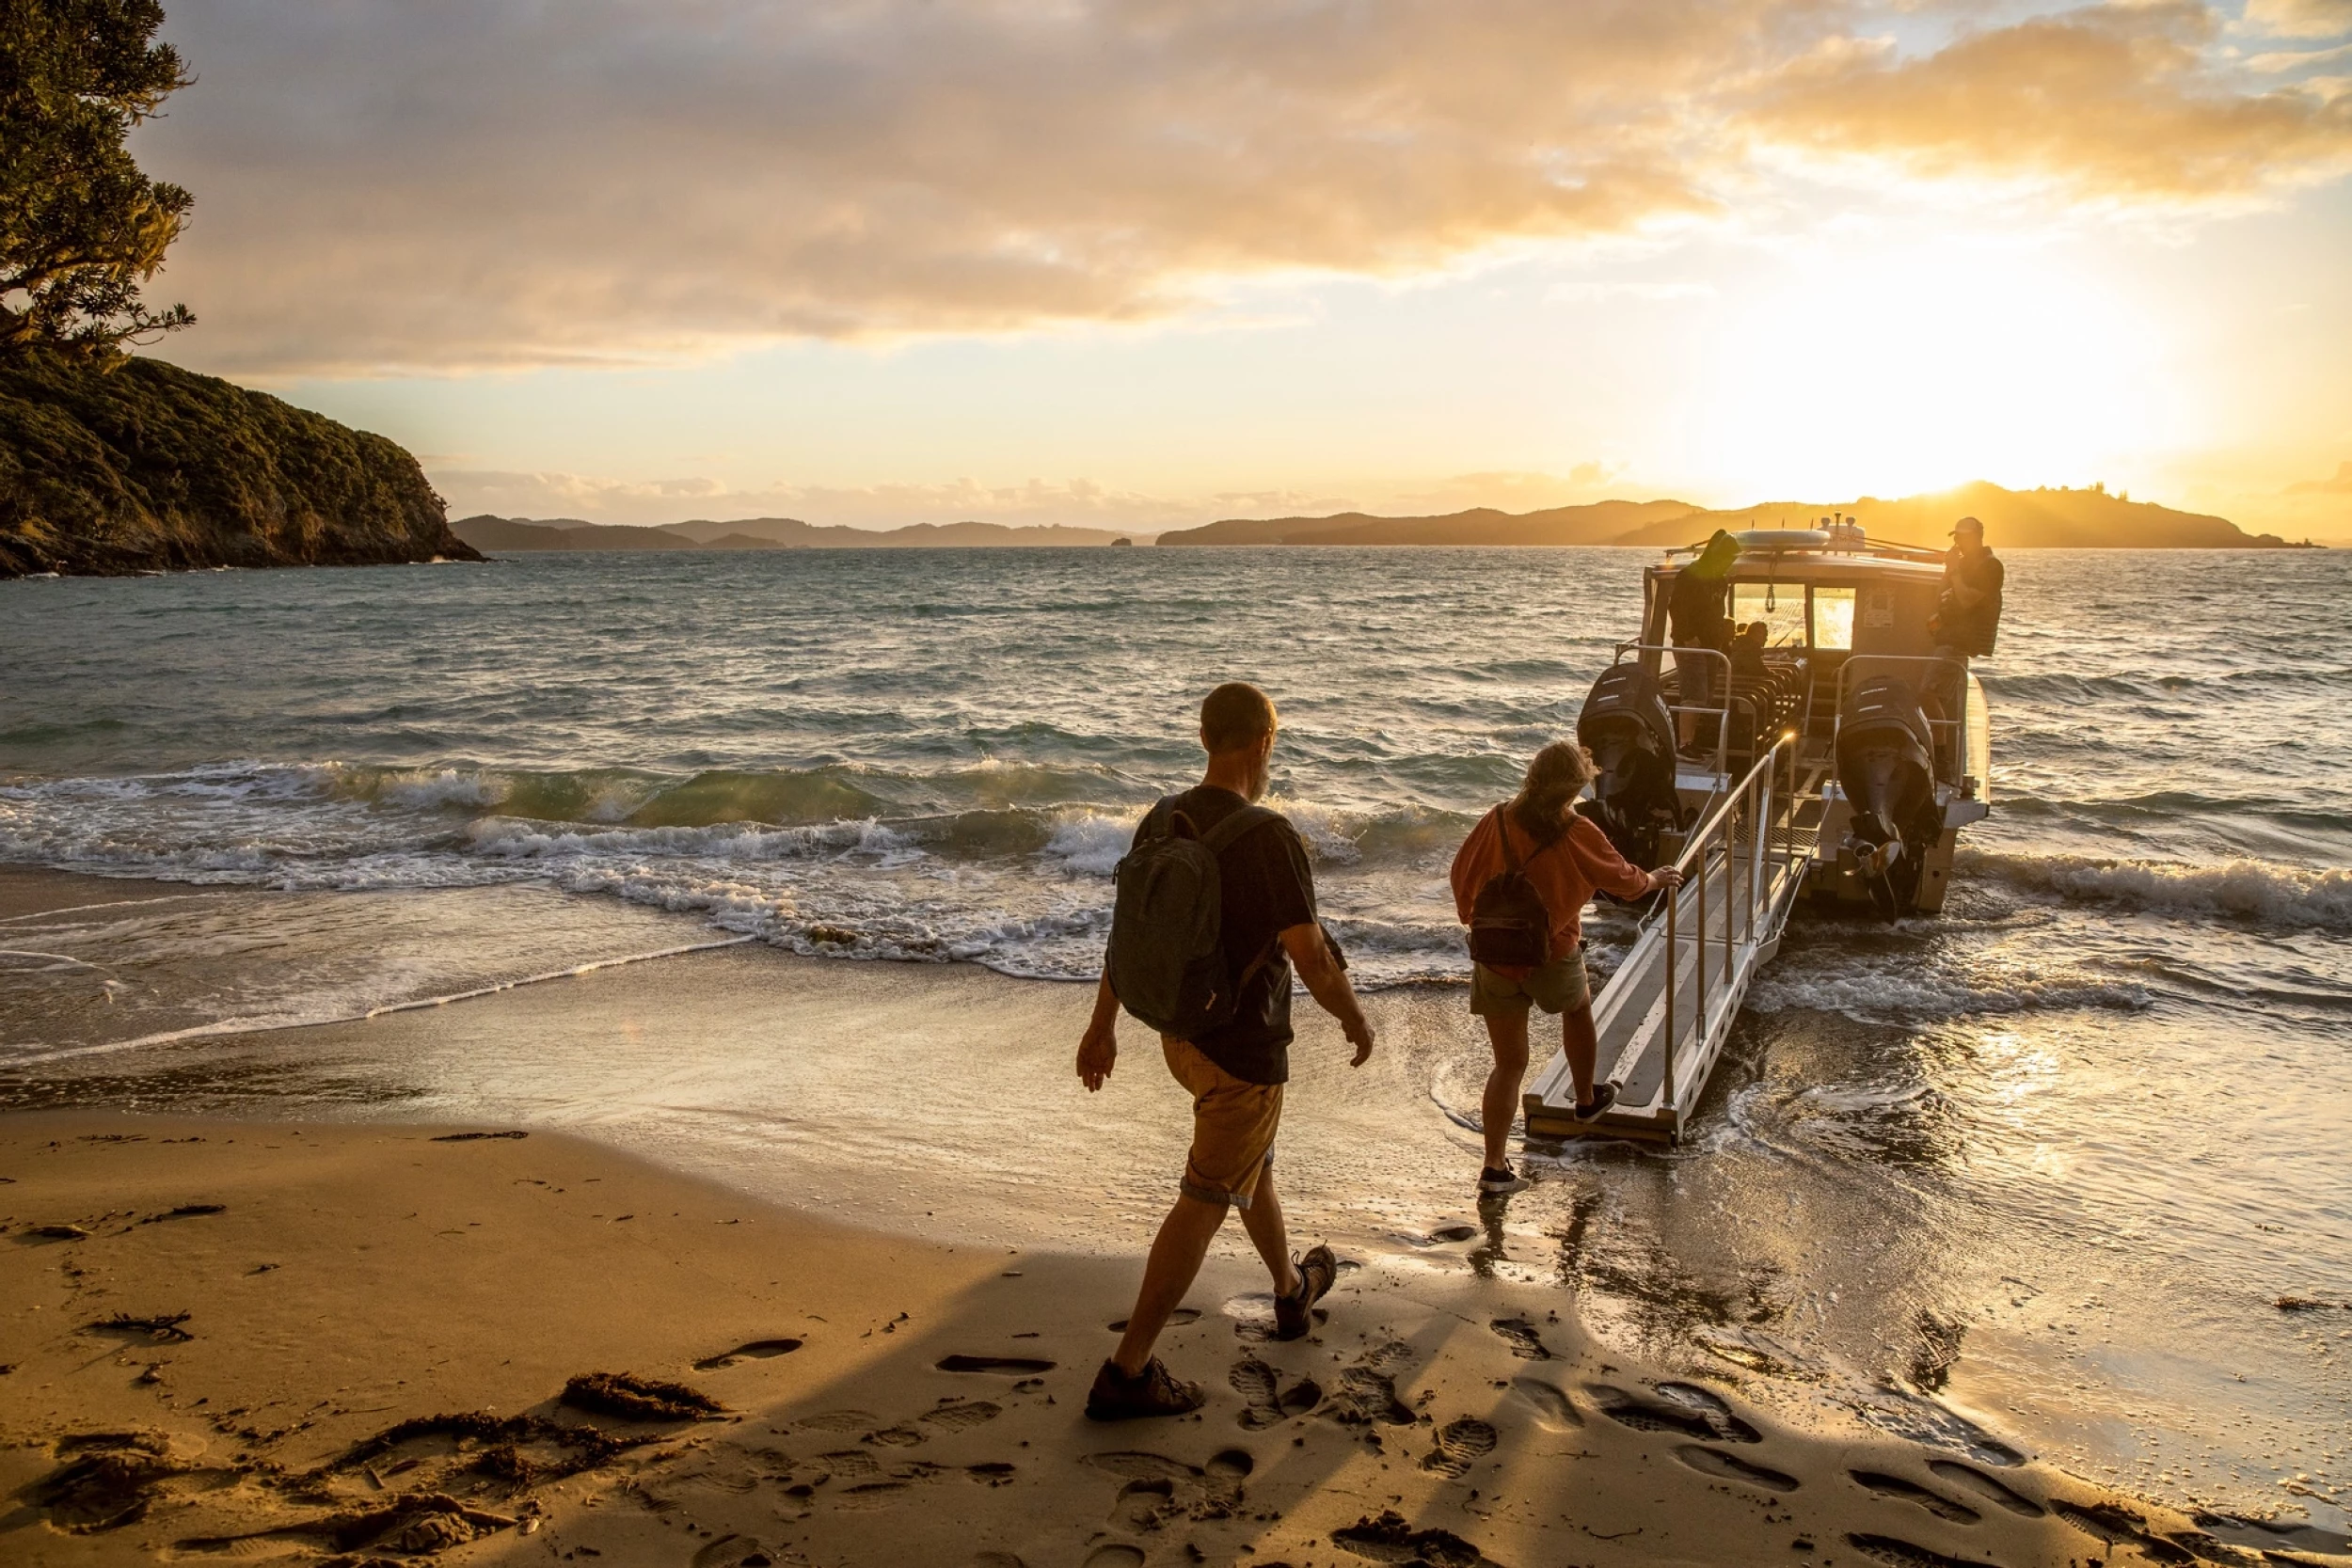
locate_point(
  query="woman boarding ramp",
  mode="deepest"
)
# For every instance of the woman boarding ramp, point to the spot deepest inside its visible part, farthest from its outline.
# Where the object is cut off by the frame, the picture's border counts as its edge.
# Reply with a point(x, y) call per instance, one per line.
point(1521, 883)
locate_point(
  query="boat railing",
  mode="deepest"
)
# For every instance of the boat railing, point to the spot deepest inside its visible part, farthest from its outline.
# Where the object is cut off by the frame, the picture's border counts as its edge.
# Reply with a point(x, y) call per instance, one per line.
point(1722, 715)
point(1736, 831)
point(1734, 702)
point(1954, 729)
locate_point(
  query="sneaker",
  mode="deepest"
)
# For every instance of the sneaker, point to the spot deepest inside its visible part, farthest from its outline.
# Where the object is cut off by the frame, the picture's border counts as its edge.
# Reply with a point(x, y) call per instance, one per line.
point(1153, 1391)
point(1496, 1180)
point(1604, 1096)
point(1294, 1315)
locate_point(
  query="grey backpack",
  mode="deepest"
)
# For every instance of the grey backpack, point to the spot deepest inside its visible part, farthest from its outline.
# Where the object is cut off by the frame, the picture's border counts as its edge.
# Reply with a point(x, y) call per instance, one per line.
point(1165, 964)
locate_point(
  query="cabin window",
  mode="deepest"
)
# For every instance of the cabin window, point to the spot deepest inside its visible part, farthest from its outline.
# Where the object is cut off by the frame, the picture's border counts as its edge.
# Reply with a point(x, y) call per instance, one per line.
point(1779, 606)
point(1833, 618)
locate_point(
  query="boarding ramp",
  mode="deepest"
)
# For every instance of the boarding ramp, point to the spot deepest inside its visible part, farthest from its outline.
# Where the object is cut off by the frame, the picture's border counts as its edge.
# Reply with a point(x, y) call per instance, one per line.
point(1664, 1016)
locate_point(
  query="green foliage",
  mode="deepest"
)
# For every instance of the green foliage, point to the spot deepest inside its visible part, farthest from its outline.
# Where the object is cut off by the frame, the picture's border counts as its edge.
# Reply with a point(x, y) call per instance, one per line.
point(135, 464)
point(81, 228)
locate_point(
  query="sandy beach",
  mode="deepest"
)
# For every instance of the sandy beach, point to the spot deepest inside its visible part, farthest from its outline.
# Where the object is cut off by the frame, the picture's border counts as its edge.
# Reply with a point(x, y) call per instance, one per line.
point(334, 1342)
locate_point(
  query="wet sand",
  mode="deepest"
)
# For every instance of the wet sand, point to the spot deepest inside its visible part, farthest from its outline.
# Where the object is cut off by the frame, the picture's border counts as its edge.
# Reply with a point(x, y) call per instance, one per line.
point(335, 1342)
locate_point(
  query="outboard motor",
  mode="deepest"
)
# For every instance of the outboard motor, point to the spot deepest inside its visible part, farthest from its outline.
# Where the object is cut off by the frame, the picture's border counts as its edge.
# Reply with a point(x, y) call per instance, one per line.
point(1626, 726)
point(1884, 765)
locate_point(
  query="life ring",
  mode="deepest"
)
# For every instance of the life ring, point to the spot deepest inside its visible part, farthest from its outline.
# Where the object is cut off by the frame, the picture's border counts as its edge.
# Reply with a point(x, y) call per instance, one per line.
point(1783, 538)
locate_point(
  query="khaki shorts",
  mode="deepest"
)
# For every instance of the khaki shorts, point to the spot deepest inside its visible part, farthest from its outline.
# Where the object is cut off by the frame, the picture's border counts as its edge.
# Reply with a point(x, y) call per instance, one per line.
point(1559, 987)
point(1233, 1122)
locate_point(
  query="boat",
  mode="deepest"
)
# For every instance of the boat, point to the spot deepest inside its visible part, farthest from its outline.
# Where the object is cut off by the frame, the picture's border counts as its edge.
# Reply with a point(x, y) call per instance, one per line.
point(1832, 768)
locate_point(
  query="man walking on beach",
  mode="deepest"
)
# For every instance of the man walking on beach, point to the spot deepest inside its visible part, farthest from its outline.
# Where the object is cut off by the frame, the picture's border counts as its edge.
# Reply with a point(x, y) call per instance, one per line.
point(1234, 1069)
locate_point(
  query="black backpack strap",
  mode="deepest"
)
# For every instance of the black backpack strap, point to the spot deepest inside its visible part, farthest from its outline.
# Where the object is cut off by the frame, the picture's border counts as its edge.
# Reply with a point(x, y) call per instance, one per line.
point(1229, 832)
point(1226, 833)
point(1511, 861)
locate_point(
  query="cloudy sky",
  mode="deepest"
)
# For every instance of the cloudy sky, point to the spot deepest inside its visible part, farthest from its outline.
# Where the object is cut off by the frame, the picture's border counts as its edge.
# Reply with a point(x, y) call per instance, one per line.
point(1145, 263)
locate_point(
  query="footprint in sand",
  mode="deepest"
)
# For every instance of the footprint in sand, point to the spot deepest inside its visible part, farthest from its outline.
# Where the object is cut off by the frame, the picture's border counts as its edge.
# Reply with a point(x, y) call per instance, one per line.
point(1144, 1505)
point(1010, 1365)
point(1364, 1395)
point(838, 1420)
point(1688, 1409)
point(1912, 1492)
point(1461, 1443)
point(757, 1349)
point(1268, 1403)
point(997, 1559)
point(1725, 1467)
point(993, 1472)
point(1973, 1479)
point(732, 1551)
point(2120, 1526)
point(1176, 1319)
point(1162, 1488)
point(1116, 1555)
point(1521, 1337)
point(894, 1437)
point(1902, 1554)
point(962, 1415)
point(1444, 1234)
point(1554, 1410)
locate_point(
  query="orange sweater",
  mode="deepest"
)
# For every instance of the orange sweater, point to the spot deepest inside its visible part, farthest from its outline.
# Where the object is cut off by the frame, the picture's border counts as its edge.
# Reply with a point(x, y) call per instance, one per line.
point(1565, 872)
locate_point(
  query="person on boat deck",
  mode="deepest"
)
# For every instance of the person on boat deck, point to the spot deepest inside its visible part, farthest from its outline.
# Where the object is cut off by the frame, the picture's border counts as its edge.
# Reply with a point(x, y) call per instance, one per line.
point(1968, 612)
point(1747, 652)
point(1566, 857)
point(1696, 617)
point(1967, 615)
point(1235, 1072)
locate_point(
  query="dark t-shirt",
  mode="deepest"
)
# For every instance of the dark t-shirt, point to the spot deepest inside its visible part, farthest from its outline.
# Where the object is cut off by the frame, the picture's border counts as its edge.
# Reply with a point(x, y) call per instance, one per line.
point(1264, 888)
point(1695, 610)
point(1974, 629)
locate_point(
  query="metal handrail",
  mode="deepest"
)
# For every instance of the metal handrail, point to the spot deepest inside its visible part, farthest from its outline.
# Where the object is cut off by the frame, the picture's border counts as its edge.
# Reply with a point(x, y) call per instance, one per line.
point(1788, 743)
point(1723, 726)
point(1755, 793)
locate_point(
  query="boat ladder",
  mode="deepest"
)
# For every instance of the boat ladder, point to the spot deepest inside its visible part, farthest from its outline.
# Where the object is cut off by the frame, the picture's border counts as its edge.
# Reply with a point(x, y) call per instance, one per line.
point(1665, 1012)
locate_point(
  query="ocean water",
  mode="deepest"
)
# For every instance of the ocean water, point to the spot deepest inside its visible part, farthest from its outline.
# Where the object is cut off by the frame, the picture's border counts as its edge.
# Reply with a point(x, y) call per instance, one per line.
point(2083, 1133)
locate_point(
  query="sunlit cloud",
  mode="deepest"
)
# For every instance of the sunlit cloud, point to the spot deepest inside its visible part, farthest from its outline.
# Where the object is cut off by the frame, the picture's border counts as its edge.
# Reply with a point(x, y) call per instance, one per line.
point(2118, 101)
point(2301, 19)
point(393, 185)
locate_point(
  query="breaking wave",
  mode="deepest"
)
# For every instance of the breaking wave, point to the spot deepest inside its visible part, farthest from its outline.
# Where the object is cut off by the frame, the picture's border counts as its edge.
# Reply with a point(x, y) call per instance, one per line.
point(2262, 892)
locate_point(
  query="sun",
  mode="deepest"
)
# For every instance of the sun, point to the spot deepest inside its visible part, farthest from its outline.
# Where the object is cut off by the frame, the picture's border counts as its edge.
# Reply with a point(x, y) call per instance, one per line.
point(1901, 371)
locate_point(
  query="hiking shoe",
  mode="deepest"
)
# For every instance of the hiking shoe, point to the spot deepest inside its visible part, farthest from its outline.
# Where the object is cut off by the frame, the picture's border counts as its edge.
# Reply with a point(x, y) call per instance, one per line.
point(1294, 1315)
point(1604, 1096)
point(1153, 1391)
point(1495, 1181)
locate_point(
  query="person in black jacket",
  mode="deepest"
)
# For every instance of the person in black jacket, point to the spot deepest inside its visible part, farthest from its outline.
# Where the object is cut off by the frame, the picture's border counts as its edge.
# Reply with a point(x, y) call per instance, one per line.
point(1968, 612)
point(1698, 616)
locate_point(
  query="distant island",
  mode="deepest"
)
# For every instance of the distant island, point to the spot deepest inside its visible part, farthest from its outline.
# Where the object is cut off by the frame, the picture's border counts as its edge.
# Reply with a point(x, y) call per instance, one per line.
point(517, 534)
point(112, 466)
point(2015, 519)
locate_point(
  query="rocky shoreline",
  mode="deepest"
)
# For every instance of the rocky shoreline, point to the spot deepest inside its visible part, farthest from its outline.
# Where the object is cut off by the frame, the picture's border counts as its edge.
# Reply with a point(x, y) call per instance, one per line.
point(131, 466)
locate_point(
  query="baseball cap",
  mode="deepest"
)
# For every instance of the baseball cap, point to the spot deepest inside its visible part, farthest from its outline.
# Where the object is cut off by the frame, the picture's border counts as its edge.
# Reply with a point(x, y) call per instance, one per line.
point(1969, 523)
